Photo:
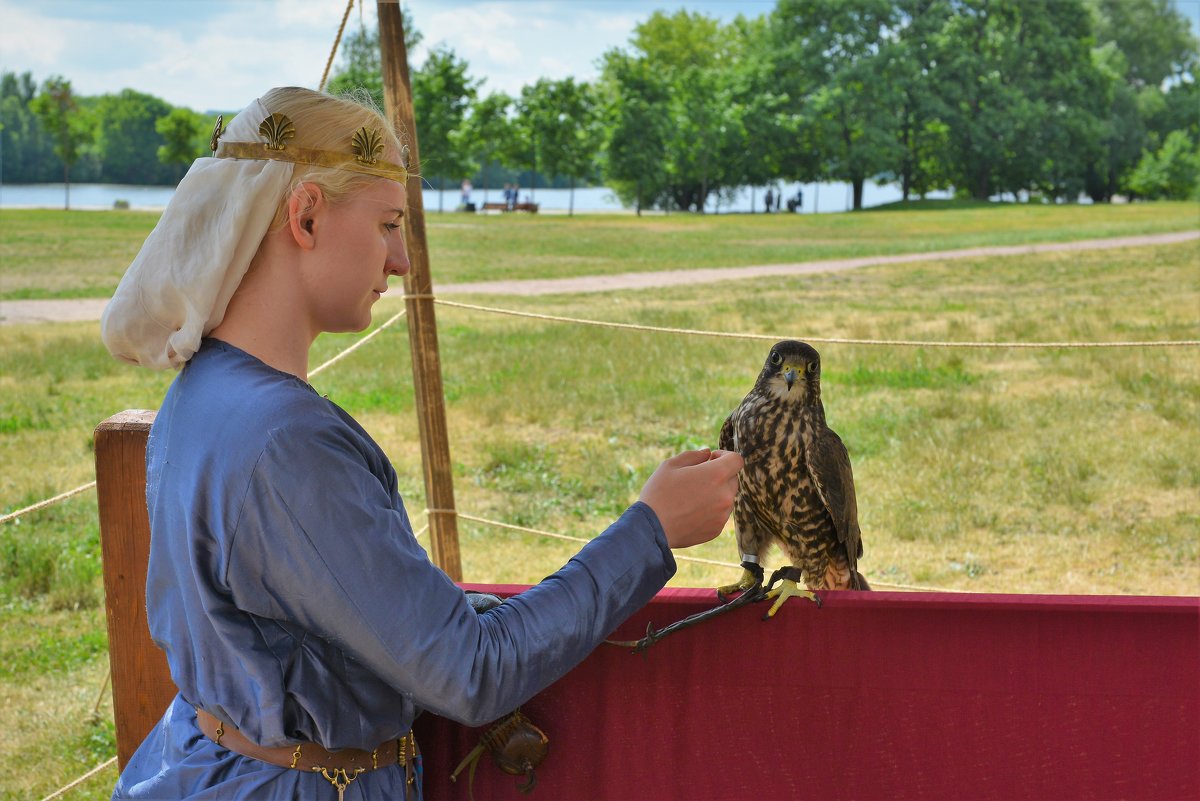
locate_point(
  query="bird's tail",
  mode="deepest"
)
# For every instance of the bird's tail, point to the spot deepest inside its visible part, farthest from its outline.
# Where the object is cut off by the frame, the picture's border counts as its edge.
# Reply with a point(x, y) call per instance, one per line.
point(858, 581)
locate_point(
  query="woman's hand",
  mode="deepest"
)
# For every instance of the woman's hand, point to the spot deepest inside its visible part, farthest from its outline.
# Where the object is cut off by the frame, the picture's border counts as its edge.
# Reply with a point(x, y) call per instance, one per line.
point(692, 494)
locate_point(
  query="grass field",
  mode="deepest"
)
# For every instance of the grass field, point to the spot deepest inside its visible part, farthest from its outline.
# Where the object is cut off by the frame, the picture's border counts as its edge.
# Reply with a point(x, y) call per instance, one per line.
point(63, 254)
point(1008, 470)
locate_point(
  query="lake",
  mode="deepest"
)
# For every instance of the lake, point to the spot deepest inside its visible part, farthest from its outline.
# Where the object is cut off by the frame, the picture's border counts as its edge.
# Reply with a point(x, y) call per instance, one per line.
point(824, 197)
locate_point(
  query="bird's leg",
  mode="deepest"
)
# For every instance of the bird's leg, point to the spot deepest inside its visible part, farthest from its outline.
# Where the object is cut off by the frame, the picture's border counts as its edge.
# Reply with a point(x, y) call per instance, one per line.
point(787, 578)
point(752, 578)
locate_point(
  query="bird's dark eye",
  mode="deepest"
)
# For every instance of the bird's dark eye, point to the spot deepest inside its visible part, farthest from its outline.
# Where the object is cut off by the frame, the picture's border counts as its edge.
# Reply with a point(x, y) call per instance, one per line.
point(776, 359)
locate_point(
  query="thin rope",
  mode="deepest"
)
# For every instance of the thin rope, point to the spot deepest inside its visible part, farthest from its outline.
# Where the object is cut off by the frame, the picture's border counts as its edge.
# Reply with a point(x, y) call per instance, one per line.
point(59, 792)
point(100, 695)
point(678, 557)
point(45, 503)
point(336, 42)
point(830, 340)
point(358, 344)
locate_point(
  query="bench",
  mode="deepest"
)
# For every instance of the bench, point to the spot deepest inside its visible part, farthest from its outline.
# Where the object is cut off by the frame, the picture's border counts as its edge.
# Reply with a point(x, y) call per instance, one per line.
point(530, 207)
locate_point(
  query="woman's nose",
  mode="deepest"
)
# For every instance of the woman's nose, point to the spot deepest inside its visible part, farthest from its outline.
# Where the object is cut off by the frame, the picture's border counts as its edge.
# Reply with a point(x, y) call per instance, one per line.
point(398, 263)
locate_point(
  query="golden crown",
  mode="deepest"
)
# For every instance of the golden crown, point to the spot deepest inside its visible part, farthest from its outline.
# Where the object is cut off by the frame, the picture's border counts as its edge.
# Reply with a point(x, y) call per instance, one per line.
point(366, 145)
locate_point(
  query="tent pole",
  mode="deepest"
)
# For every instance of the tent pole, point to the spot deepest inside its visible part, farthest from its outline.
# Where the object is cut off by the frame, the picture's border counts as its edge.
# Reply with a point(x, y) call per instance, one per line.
point(422, 327)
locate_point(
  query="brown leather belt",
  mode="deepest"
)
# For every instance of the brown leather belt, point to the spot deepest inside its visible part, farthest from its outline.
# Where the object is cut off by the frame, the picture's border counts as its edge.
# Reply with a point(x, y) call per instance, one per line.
point(338, 767)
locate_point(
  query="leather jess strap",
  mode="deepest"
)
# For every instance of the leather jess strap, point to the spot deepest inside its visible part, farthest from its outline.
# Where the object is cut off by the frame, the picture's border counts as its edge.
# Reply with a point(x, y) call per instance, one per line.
point(310, 756)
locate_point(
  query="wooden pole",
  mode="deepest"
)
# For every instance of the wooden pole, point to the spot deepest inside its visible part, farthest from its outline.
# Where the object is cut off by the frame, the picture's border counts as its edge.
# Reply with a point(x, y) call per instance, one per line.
point(141, 683)
point(422, 327)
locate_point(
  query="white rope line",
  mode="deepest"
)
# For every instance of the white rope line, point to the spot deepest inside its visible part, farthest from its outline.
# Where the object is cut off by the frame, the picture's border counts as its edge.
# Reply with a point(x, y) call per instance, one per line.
point(358, 344)
point(47, 502)
point(678, 557)
point(910, 343)
point(59, 792)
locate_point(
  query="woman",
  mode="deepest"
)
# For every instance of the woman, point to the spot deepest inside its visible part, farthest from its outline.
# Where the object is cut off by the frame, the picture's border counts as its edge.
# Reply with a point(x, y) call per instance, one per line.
point(304, 626)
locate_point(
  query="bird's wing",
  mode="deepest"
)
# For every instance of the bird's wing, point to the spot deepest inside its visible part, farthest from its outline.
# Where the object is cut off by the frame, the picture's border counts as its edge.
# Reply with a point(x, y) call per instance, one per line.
point(829, 468)
point(725, 440)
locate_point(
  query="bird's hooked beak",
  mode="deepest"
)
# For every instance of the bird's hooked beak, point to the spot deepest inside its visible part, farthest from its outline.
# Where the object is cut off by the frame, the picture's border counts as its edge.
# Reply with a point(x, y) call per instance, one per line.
point(789, 375)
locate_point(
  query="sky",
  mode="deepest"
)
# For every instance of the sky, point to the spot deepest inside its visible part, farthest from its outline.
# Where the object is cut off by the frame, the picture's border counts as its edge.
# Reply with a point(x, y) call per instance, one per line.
point(217, 55)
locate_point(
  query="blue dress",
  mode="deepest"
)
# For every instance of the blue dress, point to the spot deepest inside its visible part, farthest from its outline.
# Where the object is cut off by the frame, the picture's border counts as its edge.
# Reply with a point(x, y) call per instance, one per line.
point(292, 600)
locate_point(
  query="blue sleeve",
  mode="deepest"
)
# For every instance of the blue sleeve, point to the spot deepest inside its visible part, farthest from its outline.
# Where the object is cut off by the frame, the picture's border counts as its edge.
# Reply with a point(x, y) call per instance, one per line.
point(323, 543)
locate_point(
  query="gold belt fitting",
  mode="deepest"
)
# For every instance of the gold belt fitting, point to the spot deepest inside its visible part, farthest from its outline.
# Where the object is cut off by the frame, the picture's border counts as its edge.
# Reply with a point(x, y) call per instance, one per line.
point(339, 778)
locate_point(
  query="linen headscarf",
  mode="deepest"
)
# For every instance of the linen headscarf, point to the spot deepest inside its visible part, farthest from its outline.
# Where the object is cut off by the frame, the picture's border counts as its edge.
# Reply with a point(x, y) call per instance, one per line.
point(179, 285)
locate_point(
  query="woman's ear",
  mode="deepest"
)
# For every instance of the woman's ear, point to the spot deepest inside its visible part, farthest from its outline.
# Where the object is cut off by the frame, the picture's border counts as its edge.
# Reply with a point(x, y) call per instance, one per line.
point(304, 205)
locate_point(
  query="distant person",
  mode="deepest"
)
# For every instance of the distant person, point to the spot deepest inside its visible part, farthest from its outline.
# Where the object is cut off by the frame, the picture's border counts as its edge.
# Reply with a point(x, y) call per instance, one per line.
point(769, 200)
point(303, 624)
point(796, 203)
point(516, 196)
point(466, 192)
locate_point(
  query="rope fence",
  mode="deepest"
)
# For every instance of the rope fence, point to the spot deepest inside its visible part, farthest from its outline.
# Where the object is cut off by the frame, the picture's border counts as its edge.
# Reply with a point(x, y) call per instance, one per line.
point(907, 343)
point(678, 557)
point(60, 792)
point(48, 502)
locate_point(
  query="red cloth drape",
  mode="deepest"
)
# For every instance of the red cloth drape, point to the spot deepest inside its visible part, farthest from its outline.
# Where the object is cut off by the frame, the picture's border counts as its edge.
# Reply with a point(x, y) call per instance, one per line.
point(874, 696)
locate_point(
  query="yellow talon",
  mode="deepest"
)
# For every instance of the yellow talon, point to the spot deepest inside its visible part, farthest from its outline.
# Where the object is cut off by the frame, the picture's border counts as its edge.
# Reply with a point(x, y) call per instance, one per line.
point(747, 581)
point(788, 589)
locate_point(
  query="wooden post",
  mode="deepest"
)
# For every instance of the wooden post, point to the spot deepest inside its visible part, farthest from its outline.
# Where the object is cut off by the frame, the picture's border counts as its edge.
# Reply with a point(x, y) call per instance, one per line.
point(141, 684)
point(422, 327)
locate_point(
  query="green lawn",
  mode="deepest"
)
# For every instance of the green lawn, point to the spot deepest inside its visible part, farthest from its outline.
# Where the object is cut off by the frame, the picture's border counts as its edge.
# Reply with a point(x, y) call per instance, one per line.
point(66, 254)
point(1008, 470)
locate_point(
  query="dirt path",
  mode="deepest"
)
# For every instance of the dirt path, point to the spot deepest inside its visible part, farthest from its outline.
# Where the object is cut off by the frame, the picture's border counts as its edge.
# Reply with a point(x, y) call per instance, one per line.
point(42, 311)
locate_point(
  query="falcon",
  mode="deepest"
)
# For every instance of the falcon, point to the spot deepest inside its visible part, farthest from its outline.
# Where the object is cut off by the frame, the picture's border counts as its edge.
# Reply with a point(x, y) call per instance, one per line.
point(797, 489)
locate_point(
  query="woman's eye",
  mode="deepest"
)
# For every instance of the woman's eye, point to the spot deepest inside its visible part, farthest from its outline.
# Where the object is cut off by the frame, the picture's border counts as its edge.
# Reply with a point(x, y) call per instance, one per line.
point(391, 226)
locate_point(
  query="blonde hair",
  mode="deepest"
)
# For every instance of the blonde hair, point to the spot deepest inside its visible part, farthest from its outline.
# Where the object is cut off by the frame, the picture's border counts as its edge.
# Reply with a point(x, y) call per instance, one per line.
point(326, 122)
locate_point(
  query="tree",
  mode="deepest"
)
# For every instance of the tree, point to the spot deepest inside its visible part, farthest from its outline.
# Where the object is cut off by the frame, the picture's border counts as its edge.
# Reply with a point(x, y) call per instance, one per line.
point(1173, 172)
point(907, 58)
point(562, 117)
point(127, 140)
point(58, 111)
point(1142, 46)
point(1155, 39)
point(442, 93)
point(1018, 85)
point(361, 63)
point(846, 96)
point(636, 148)
point(185, 135)
point(27, 152)
point(763, 119)
point(689, 55)
point(485, 131)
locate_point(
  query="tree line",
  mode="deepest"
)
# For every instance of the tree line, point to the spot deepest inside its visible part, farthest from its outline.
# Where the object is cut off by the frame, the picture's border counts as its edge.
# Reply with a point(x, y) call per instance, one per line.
point(1039, 98)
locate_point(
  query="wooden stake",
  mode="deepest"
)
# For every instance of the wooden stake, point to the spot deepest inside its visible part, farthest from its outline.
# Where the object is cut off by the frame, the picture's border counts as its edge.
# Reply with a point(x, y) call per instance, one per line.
point(141, 683)
point(422, 327)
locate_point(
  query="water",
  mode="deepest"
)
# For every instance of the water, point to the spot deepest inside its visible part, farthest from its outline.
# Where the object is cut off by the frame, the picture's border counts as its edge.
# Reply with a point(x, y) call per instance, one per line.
point(824, 197)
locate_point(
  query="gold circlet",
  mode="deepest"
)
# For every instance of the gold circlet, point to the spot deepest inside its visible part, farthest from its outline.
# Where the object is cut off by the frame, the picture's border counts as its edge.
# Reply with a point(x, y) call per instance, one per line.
point(218, 129)
point(277, 129)
point(366, 144)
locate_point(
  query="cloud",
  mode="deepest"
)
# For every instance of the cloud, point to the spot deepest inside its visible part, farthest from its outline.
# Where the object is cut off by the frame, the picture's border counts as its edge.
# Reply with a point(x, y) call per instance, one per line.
point(512, 44)
point(218, 62)
point(220, 54)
